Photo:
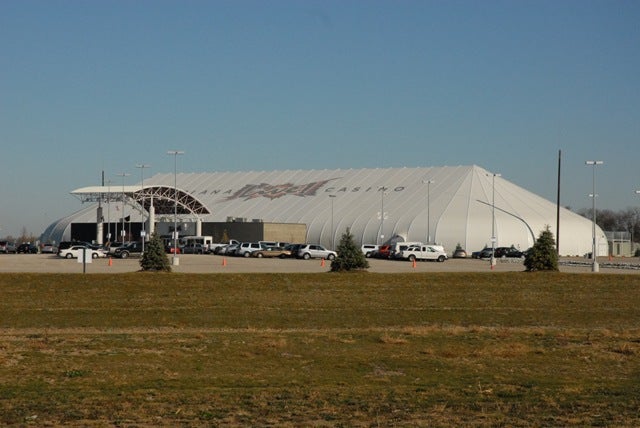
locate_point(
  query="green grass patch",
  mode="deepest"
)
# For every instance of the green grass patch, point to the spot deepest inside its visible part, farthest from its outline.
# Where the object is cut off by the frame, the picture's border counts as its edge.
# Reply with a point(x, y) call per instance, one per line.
point(439, 349)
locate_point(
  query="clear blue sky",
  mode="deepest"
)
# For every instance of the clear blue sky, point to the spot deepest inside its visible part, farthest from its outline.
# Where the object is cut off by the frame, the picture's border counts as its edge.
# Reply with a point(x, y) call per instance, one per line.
point(87, 86)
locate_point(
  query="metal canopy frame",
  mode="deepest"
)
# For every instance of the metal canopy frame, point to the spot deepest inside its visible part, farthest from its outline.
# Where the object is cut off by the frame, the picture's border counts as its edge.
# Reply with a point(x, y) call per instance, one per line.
point(164, 198)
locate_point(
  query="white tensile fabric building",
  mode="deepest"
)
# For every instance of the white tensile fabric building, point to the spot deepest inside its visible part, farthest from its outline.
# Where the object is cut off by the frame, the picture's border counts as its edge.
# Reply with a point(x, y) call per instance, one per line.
point(447, 205)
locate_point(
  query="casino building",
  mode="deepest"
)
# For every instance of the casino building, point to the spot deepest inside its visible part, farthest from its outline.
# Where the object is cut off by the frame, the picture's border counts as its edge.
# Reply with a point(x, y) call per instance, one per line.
point(448, 205)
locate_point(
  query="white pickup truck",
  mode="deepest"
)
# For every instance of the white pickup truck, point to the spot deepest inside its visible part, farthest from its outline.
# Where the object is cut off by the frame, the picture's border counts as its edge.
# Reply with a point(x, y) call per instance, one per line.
point(424, 252)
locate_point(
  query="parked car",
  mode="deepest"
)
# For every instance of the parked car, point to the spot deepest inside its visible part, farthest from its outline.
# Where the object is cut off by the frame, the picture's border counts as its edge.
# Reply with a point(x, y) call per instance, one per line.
point(511, 252)
point(423, 252)
point(227, 250)
point(65, 245)
point(217, 248)
point(76, 251)
point(221, 249)
point(369, 250)
point(384, 252)
point(459, 253)
point(293, 249)
point(113, 246)
point(27, 249)
point(246, 248)
point(49, 248)
point(194, 249)
point(397, 249)
point(7, 247)
point(272, 252)
point(485, 253)
point(128, 250)
point(171, 250)
point(315, 251)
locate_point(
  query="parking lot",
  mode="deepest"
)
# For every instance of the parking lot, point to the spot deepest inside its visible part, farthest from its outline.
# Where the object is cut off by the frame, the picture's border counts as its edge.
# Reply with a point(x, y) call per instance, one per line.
point(192, 263)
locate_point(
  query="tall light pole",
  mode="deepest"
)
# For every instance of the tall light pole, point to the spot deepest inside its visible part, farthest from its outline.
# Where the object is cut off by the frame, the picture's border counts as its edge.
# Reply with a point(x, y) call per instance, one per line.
point(333, 235)
point(493, 218)
point(594, 267)
point(384, 191)
point(175, 153)
point(428, 183)
point(637, 193)
point(123, 232)
point(143, 234)
point(109, 212)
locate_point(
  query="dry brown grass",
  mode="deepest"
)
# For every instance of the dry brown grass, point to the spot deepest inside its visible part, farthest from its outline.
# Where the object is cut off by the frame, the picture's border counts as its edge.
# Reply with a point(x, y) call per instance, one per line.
point(320, 350)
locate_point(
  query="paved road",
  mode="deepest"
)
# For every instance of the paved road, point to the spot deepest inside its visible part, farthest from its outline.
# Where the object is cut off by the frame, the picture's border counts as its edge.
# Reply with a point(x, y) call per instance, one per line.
point(191, 263)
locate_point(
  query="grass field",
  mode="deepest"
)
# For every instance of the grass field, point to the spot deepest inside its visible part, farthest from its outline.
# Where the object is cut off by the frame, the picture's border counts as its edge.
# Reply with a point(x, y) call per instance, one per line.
point(438, 349)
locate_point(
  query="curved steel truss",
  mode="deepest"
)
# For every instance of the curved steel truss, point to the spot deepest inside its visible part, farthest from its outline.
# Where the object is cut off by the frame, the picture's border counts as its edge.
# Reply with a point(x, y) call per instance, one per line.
point(166, 200)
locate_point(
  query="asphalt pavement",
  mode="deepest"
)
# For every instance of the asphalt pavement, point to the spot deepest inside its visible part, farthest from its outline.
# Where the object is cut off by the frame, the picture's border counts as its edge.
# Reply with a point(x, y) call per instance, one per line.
point(194, 263)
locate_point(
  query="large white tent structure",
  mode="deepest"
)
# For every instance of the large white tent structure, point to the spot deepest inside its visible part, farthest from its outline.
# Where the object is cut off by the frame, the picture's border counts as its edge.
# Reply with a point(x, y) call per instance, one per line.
point(448, 205)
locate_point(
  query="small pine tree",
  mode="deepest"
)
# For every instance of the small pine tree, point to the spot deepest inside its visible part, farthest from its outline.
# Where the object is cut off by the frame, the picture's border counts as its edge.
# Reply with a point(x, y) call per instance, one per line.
point(155, 257)
point(543, 254)
point(350, 257)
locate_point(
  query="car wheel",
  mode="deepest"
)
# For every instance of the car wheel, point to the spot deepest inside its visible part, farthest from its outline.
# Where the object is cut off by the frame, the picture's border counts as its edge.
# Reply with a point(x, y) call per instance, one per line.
point(246, 254)
point(412, 258)
point(94, 255)
point(441, 259)
point(282, 256)
point(331, 257)
point(259, 255)
point(68, 256)
point(306, 256)
point(124, 255)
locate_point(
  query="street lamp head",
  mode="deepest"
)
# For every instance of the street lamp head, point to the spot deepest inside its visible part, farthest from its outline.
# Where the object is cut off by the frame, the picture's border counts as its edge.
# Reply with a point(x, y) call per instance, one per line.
point(593, 162)
point(123, 175)
point(175, 152)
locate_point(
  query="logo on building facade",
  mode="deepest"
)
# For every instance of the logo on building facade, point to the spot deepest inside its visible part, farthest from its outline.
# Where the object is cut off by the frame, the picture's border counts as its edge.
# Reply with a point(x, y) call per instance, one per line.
point(275, 191)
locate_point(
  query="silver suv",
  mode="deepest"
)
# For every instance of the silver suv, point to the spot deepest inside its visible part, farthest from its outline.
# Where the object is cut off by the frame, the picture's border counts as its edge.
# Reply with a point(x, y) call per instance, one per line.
point(315, 251)
point(246, 248)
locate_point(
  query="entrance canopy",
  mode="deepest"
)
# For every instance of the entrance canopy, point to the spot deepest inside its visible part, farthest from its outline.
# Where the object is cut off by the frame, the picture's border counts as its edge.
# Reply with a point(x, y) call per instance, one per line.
point(165, 199)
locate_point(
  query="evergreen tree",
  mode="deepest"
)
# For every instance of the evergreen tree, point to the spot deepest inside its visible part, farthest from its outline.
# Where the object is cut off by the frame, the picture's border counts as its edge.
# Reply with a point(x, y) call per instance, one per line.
point(543, 254)
point(155, 257)
point(350, 257)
